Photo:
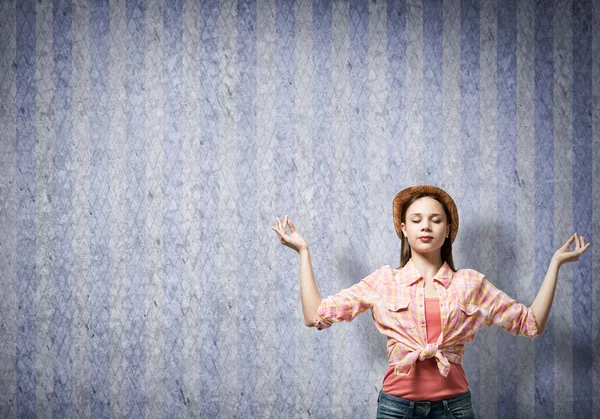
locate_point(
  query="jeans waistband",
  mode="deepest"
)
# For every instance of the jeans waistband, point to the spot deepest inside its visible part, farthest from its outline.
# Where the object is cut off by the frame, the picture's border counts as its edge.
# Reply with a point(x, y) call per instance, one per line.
point(433, 403)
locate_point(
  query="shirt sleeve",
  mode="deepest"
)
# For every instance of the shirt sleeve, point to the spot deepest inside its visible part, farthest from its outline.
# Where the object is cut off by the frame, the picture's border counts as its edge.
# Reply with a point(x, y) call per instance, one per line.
point(349, 302)
point(504, 311)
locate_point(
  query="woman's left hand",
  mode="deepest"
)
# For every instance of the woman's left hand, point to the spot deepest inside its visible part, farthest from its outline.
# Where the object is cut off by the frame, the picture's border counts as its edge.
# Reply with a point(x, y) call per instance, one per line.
point(564, 255)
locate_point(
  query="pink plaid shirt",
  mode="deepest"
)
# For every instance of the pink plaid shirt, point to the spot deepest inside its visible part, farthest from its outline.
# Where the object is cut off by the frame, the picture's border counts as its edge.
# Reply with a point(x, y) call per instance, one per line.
point(396, 299)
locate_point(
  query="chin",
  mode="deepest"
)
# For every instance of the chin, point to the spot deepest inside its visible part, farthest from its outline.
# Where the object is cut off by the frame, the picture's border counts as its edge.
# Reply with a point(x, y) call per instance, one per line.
point(426, 249)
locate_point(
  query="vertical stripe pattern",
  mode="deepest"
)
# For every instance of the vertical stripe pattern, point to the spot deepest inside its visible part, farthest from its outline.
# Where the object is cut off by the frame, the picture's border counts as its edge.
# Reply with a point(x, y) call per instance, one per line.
point(432, 96)
point(563, 204)
point(62, 208)
point(228, 227)
point(148, 145)
point(470, 154)
point(594, 234)
point(582, 204)
point(304, 128)
point(190, 333)
point(285, 20)
point(339, 278)
point(9, 311)
point(135, 336)
point(246, 182)
point(211, 114)
point(358, 143)
point(395, 110)
point(25, 280)
point(44, 223)
point(117, 222)
point(495, 46)
point(376, 171)
point(100, 210)
point(525, 195)
point(544, 187)
point(172, 219)
point(323, 184)
point(81, 216)
point(157, 329)
point(506, 196)
point(266, 331)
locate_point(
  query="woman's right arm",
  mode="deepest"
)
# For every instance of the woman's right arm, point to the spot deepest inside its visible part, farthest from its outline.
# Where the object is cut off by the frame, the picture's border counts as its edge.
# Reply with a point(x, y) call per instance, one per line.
point(308, 288)
point(343, 306)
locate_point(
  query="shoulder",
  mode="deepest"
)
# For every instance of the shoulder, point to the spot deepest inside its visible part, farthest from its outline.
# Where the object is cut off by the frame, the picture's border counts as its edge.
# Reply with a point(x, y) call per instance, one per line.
point(389, 274)
point(469, 276)
point(381, 275)
point(386, 272)
point(389, 271)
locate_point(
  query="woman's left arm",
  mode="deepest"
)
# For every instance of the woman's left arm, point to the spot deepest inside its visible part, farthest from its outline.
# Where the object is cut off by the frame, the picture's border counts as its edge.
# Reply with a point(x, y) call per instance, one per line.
point(543, 301)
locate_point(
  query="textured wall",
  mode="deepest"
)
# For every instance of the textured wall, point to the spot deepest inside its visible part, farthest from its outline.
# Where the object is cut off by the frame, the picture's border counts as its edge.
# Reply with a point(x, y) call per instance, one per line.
point(147, 146)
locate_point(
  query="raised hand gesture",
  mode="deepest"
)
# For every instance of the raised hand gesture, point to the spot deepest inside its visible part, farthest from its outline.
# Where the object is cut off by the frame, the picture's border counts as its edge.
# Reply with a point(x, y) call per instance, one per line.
point(294, 240)
point(564, 255)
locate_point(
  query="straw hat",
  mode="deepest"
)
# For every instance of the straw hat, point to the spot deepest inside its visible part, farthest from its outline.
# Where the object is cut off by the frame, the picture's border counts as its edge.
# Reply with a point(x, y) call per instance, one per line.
point(405, 194)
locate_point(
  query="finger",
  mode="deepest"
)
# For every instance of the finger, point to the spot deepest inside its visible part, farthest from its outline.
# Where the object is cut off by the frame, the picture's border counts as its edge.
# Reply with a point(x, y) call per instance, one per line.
point(276, 231)
point(583, 248)
point(279, 227)
point(282, 232)
point(577, 245)
point(292, 228)
point(568, 243)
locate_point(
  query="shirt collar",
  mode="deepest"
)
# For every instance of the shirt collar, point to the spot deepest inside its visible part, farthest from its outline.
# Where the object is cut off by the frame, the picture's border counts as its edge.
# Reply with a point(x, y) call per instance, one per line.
point(411, 274)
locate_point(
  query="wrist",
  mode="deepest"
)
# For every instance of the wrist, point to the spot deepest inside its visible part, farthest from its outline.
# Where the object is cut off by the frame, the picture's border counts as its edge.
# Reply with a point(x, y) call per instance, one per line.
point(554, 261)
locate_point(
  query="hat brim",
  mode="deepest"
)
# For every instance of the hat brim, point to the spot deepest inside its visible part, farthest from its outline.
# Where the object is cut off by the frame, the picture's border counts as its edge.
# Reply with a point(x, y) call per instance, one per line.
point(406, 194)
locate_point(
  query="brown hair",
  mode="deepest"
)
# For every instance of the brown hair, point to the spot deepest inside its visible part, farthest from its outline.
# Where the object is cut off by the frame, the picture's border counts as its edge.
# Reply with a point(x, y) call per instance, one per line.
point(446, 250)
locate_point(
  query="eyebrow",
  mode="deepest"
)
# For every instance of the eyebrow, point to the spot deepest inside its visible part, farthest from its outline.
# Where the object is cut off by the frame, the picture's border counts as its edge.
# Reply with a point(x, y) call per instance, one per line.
point(418, 213)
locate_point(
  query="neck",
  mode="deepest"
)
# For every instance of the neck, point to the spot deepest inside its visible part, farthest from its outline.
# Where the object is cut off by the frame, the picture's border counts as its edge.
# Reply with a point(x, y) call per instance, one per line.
point(428, 264)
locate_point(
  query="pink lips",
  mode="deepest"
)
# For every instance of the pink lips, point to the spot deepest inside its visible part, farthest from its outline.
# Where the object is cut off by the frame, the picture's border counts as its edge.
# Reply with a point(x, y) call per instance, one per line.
point(426, 239)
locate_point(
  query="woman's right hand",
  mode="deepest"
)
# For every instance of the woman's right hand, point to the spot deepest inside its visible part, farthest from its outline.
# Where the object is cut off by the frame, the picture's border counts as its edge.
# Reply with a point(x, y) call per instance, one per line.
point(294, 240)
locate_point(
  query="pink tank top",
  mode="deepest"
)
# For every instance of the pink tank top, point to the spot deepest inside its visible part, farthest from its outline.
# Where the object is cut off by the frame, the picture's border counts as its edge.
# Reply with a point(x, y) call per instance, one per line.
point(425, 381)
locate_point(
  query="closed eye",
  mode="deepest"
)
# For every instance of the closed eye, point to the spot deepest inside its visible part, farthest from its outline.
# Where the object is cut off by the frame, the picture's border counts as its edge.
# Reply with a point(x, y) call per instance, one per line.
point(435, 221)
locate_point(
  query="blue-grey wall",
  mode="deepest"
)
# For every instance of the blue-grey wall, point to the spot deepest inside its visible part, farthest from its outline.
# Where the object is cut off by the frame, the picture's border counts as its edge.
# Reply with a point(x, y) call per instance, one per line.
point(146, 148)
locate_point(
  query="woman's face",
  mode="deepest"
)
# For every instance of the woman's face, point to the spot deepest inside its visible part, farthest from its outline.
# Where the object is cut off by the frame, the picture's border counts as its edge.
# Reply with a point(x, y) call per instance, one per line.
point(425, 217)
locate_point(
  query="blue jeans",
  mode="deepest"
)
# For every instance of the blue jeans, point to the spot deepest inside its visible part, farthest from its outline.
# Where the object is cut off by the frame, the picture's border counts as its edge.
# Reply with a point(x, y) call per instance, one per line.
point(456, 407)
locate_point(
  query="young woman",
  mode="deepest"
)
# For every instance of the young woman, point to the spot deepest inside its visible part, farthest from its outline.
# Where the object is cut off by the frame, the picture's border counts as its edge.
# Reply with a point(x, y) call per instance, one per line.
point(427, 309)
